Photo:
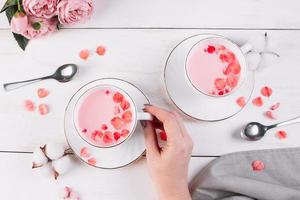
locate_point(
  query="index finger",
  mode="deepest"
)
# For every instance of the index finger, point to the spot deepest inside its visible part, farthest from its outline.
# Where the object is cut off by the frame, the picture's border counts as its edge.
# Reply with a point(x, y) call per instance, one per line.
point(169, 121)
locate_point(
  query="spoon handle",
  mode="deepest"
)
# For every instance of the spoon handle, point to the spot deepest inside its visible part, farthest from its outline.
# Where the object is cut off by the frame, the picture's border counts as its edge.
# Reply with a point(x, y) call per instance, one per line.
point(15, 85)
point(291, 121)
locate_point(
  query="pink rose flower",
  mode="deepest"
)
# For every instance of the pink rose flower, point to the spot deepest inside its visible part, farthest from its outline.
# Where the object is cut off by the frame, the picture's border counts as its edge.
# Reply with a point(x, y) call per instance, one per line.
point(72, 11)
point(19, 23)
point(38, 27)
point(40, 8)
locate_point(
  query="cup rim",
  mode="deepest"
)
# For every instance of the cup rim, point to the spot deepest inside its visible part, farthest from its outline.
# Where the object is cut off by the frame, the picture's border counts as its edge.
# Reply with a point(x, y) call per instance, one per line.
point(124, 92)
point(223, 38)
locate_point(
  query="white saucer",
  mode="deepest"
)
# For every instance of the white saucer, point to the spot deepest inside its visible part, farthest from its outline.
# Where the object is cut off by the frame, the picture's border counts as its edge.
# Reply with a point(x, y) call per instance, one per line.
point(114, 157)
point(192, 102)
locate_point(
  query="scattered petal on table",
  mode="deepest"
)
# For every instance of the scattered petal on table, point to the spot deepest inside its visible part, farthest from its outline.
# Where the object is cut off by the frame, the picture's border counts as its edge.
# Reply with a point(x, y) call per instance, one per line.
point(257, 101)
point(84, 54)
point(43, 109)
point(281, 134)
point(270, 115)
point(258, 165)
point(241, 101)
point(29, 105)
point(42, 92)
point(266, 91)
point(92, 161)
point(100, 50)
point(84, 152)
point(275, 106)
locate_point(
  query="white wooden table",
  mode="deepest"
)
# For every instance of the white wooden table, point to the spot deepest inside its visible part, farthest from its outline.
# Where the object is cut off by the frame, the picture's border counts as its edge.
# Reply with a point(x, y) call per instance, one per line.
point(139, 35)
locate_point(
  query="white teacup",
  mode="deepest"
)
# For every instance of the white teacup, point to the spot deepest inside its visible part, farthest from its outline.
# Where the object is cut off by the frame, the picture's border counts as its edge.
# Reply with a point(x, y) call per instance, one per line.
point(80, 109)
point(238, 52)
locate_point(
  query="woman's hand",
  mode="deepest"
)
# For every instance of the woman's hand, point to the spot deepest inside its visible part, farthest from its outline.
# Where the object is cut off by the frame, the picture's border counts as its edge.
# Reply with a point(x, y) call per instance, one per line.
point(168, 166)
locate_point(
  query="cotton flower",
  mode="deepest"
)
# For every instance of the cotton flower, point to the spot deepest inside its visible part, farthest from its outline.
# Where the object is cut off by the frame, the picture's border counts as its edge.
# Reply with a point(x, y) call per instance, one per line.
point(39, 157)
point(61, 166)
point(54, 150)
point(52, 159)
point(45, 171)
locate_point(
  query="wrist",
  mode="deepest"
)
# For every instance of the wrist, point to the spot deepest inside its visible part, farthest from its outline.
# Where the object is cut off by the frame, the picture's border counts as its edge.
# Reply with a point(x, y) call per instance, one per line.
point(174, 191)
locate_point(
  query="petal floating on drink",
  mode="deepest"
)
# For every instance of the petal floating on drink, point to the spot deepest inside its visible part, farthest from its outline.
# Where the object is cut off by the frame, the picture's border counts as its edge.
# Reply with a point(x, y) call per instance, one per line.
point(118, 97)
point(211, 49)
point(127, 116)
point(125, 105)
point(108, 137)
point(116, 122)
point(220, 83)
point(117, 135)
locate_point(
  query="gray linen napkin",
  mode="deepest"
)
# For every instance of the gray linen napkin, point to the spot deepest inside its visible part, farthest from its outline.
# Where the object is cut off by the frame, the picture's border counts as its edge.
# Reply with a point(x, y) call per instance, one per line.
point(231, 176)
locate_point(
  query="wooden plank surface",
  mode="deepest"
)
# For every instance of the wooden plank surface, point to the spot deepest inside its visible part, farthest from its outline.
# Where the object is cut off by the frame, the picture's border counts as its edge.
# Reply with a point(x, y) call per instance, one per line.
point(139, 35)
point(19, 181)
point(139, 57)
point(250, 14)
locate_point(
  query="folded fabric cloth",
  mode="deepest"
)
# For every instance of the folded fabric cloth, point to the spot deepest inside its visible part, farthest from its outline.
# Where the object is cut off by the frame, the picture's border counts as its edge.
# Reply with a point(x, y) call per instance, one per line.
point(233, 176)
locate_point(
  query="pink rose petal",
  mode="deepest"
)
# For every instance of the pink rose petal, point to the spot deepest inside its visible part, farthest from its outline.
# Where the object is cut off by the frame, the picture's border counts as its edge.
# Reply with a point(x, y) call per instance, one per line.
point(211, 49)
point(258, 165)
point(69, 193)
point(232, 81)
point(92, 161)
point(107, 137)
point(266, 91)
point(100, 50)
point(163, 136)
point(270, 115)
point(43, 109)
point(117, 110)
point(124, 133)
point(29, 105)
point(257, 101)
point(42, 92)
point(96, 135)
point(241, 101)
point(84, 152)
point(281, 134)
point(84, 54)
point(220, 83)
point(275, 106)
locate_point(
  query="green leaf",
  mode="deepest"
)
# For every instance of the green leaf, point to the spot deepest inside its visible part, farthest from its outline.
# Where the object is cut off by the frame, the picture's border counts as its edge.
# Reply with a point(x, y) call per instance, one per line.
point(22, 41)
point(8, 4)
point(10, 12)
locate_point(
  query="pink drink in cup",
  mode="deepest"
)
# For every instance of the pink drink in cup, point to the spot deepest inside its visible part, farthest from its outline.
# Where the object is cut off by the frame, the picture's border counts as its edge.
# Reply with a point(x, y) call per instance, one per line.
point(106, 116)
point(213, 68)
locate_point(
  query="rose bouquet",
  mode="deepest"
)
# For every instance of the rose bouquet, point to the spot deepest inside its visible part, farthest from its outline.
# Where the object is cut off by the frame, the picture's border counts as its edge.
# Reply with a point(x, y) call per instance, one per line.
point(30, 19)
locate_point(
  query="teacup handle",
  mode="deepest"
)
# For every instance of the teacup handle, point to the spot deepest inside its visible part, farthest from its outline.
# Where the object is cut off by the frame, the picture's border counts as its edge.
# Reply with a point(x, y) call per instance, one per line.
point(246, 48)
point(253, 58)
point(144, 116)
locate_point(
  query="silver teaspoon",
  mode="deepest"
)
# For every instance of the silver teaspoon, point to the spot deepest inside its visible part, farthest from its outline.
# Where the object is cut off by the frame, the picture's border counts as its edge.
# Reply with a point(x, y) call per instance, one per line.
point(255, 131)
point(63, 74)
